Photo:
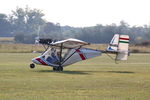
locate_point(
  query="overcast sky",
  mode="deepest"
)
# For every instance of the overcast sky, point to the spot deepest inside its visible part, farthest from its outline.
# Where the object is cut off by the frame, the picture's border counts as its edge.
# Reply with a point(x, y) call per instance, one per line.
point(80, 13)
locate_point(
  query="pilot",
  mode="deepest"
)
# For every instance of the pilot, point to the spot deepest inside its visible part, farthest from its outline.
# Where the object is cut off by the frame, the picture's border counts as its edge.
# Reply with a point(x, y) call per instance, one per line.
point(58, 54)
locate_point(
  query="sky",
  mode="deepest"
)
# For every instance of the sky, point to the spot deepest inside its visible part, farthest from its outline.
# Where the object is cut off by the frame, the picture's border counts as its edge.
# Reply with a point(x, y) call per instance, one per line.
point(82, 13)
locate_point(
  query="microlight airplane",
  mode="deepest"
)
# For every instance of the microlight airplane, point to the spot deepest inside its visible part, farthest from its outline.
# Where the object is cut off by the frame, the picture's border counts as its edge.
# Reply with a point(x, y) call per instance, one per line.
point(66, 52)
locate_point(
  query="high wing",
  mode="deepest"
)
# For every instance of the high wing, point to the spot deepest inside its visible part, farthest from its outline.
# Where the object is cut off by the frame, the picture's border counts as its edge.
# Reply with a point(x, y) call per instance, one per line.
point(69, 43)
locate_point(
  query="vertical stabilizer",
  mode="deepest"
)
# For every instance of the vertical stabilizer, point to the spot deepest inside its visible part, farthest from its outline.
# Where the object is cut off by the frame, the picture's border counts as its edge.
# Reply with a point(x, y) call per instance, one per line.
point(113, 46)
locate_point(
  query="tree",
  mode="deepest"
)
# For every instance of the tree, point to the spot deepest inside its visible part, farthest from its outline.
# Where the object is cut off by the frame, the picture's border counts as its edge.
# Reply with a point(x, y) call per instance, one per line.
point(26, 22)
point(5, 26)
point(33, 19)
point(52, 30)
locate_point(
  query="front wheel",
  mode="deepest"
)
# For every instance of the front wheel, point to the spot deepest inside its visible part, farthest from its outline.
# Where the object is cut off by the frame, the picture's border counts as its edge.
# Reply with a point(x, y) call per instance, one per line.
point(32, 66)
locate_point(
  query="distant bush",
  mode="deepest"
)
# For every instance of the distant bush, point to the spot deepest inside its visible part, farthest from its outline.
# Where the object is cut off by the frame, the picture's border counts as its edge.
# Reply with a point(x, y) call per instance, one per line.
point(144, 43)
point(25, 38)
point(135, 51)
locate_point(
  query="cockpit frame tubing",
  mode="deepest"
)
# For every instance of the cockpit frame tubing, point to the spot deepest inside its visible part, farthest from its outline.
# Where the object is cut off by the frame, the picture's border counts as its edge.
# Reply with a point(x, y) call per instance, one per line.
point(46, 48)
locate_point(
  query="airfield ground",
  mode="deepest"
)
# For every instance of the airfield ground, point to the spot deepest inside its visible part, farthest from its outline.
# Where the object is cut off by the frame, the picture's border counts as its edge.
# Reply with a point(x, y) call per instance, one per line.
point(95, 79)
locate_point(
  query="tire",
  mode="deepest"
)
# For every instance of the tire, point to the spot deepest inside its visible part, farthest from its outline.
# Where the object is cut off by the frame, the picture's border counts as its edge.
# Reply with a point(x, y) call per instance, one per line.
point(32, 66)
point(54, 69)
point(58, 69)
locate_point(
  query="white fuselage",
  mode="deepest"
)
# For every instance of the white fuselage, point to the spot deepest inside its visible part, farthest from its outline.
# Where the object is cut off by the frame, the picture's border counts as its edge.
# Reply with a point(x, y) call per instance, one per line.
point(51, 58)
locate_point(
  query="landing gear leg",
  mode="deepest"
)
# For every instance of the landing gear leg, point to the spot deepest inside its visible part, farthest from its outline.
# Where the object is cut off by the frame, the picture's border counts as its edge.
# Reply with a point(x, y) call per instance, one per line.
point(32, 65)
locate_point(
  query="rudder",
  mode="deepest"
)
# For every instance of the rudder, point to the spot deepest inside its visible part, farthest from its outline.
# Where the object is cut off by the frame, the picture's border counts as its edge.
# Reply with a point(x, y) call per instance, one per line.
point(123, 47)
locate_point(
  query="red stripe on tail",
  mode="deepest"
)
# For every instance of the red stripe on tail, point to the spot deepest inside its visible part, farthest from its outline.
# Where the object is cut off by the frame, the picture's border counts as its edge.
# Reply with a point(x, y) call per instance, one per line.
point(124, 38)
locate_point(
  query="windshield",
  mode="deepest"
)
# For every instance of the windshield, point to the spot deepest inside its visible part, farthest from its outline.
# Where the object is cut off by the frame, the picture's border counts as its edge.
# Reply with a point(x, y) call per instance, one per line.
point(52, 55)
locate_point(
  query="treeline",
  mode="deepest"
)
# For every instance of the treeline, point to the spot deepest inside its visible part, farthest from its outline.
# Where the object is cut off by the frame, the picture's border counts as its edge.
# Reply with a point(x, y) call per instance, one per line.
point(25, 24)
point(104, 33)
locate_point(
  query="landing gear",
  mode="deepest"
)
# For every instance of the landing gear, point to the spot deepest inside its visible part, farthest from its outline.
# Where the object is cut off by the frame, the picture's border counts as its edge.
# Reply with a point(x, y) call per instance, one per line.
point(32, 65)
point(54, 69)
point(60, 68)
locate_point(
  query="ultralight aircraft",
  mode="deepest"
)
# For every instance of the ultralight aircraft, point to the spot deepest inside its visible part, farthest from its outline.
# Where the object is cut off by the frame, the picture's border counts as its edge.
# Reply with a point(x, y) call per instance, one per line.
point(59, 54)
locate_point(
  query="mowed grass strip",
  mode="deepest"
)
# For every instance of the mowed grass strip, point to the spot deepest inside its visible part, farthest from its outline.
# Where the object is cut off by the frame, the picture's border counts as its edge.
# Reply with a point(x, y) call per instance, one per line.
point(94, 79)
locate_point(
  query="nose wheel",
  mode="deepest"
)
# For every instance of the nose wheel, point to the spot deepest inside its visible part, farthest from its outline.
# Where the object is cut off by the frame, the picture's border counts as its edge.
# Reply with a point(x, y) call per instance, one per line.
point(32, 65)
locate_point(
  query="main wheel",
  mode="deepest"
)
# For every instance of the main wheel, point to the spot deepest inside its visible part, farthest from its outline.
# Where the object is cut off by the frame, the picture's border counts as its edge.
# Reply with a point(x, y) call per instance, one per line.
point(58, 69)
point(32, 66)
point(54, 69)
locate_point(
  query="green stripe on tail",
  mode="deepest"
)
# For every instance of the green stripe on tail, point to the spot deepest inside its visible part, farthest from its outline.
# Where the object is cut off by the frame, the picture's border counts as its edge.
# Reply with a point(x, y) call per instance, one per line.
point(123, 42)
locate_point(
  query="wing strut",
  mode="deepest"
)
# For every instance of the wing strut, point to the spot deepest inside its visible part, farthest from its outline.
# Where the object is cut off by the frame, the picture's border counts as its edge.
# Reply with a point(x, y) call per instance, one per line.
point(60, 57)
point(71, 55)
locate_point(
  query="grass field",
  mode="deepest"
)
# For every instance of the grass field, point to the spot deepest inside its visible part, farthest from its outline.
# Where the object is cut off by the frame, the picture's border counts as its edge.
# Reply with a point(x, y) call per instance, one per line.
point(95, 79)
